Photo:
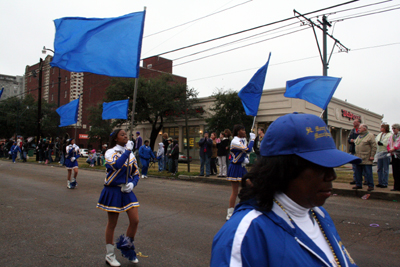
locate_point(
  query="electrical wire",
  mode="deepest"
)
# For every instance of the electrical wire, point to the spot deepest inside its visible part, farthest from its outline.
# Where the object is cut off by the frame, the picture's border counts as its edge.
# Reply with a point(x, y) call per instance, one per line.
point(291, 61)
point(197, 19)
point(251, 29)
point(365, 14)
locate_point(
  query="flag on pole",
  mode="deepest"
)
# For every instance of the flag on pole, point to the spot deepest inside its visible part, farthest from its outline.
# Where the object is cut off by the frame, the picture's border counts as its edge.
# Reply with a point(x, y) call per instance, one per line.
point(105, 46)
point(115, 110)
point(251, 92)
point(1, 92)
point(68, 113)
point(317, 90)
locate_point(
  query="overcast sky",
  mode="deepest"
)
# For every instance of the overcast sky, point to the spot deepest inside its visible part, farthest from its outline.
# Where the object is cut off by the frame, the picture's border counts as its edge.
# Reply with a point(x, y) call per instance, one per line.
point(370, 78)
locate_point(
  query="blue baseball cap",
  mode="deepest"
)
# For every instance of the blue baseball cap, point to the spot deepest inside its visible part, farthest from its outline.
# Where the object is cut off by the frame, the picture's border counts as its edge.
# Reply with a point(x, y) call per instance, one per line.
point(306, 136)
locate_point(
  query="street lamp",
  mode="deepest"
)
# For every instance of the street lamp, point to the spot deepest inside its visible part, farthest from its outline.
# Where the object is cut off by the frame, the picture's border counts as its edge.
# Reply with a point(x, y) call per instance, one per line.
point(59, 75)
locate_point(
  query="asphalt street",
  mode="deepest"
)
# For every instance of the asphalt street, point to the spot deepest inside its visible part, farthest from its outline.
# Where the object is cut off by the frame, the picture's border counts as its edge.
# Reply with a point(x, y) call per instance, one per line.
point(45, 224)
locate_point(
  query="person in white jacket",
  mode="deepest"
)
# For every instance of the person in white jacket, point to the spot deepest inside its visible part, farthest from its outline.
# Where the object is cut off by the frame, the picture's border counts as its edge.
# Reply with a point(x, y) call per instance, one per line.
point(160, 156)
point(382, 141)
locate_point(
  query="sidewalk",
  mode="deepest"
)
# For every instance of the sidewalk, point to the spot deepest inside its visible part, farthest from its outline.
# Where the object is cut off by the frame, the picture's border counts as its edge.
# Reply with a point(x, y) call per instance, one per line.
point(339, 188)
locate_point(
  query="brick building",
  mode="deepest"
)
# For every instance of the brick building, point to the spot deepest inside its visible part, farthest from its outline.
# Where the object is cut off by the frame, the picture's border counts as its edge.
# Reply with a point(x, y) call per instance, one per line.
point(91, 86)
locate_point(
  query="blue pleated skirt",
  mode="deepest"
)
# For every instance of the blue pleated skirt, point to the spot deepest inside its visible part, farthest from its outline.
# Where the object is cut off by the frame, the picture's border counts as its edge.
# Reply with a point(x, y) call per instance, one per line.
point(70, 165)
point(113, 200)
point(235, 172)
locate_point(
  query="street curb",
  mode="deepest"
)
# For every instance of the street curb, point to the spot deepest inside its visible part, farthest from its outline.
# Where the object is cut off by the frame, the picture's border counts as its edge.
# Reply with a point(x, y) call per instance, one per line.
point(338, 188)
point(390, 196)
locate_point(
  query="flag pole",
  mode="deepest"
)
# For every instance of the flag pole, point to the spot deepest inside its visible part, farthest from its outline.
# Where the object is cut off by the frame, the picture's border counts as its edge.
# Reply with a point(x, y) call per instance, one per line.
point(254, 121)
point(322, 113)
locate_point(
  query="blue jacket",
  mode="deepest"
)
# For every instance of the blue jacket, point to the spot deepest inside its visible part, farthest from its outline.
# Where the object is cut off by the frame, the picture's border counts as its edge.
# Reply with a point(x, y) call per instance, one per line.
point(205, 144)
point(116, 166)
point(145, 152)
point(239, 150)
point(14, 149)
point(254, 238)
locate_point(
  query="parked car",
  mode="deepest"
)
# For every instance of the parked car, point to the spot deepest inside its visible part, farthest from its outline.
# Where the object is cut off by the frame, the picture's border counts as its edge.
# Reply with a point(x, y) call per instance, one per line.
point(84, 152)
point(183, 158)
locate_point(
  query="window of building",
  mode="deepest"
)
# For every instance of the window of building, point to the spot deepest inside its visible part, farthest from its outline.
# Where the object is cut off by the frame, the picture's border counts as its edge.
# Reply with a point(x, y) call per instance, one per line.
point(52, 84)
point(52, 98)
point(53, 70)
point(66, 79)
point(172, 132)
point(65, 94)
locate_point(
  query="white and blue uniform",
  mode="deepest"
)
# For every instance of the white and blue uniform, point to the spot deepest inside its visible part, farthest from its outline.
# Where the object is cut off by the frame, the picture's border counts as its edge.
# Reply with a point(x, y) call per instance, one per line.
point(239, 150)
point(71, 151)
point(111, 198)
point(261, 238)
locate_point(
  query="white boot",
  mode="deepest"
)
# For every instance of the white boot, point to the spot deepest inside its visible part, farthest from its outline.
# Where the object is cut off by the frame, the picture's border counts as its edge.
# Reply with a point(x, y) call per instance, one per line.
point(230, 212)
point(110, 256)
point(68, 184)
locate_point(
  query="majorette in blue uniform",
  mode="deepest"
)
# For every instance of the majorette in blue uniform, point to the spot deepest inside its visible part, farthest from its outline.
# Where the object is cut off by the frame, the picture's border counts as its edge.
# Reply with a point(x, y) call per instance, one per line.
point(111, 198)
point(239, 150)
point(71, 162)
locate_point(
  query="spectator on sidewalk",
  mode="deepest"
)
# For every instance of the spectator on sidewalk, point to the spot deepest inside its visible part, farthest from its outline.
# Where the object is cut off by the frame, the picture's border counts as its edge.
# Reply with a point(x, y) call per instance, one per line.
point(223, 150)
point(174, 156)
point(365, 148)
point(205, 145)
point(383, 160)
point(166, 143)
point(101, 159)
point(145, 155)
point(257, 142)
point(213, 160)
point(352, 148)
point(14, 151)
point(394, 150)
point(160, 156)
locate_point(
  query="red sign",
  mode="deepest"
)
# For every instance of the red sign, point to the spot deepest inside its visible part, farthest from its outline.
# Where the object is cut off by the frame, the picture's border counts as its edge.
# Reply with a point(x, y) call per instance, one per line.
point(83, 136)
point(348, 114)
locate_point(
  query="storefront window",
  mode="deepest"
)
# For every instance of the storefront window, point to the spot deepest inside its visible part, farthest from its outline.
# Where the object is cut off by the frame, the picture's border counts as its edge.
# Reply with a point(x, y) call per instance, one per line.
point(172, 132)
point(194, 138)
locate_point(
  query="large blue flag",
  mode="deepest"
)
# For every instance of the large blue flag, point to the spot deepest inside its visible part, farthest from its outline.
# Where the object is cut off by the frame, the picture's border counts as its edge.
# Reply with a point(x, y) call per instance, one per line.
point(1, 92)
point(251, 93)
point(106, 46)
point(115, 110)
point(317, 90)
point(68, 113)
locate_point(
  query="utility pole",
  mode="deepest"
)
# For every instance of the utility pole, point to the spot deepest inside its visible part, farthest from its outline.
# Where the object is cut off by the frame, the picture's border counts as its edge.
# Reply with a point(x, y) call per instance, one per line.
point(324, 55)
point(39, 116)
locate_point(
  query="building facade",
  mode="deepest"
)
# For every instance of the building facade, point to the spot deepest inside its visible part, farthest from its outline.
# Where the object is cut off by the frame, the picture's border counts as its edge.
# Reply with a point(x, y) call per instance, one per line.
point(273, 104)
point(13, 86)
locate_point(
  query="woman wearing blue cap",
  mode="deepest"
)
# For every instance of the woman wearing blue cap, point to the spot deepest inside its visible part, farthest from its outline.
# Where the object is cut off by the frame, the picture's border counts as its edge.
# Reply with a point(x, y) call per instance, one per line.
point(279, 220)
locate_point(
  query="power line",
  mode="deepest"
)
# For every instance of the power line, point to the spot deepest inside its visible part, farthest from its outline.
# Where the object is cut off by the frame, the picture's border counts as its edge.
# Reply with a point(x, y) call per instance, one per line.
point(290, 61)
point(240, 47)
point(364, 14)
point(177, 26)
point(254, 28)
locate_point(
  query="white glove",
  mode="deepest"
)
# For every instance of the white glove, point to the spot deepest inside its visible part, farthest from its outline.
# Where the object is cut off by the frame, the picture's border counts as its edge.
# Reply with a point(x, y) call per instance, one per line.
point(252, 136)
point(72, 159)
point(77, 148)
point(246, 161)
point(126, 188)
point(74, 145)
point(129, 145)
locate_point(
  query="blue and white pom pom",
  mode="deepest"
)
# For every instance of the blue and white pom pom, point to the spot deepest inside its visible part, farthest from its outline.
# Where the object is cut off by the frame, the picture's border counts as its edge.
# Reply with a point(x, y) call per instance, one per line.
point(125, 244)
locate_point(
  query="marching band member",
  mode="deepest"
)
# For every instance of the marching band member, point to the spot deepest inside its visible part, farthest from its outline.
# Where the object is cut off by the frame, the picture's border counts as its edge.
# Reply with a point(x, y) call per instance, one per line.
point(72, 154)
point(117, 196)
point(239, 159)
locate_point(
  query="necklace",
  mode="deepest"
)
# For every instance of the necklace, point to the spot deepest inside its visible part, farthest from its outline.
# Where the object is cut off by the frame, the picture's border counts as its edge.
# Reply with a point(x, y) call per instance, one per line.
point(359, 139)
point(320, 227)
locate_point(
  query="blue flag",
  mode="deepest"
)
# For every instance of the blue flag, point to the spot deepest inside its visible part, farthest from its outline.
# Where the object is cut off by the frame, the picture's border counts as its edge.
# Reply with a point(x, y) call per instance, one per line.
point(105, 46)
point(115, 110)
point(68, 113)
point(1, 92)
point(251, 93)
point(317, 90)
